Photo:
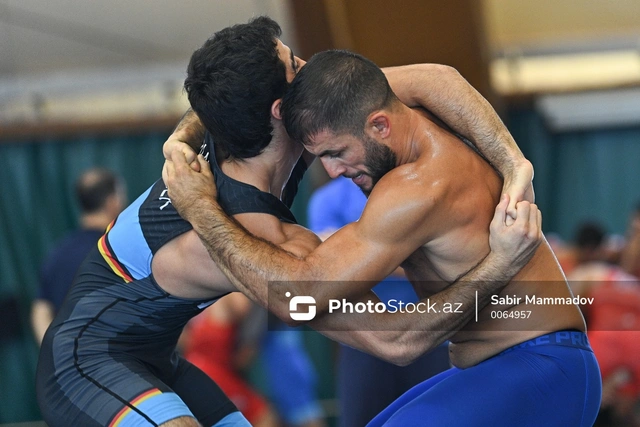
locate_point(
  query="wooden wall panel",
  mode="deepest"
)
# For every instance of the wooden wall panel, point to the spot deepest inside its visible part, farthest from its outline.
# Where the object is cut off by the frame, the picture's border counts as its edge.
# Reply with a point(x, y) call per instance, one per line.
point(399, 32)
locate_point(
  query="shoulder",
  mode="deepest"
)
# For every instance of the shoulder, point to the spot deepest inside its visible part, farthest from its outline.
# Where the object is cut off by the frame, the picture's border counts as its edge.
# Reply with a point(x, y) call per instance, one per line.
point(408, 198)
point(410, 186)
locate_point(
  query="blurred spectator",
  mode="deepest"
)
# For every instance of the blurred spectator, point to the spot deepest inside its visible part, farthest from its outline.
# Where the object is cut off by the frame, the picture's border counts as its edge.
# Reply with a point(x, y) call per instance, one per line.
point(630, 257)
point(589, 241)
point(101, 197)
point(565, 253)
point(367, 385)
point(210, 341)
point(222, 342)
point(613, 323)
point(291, 376)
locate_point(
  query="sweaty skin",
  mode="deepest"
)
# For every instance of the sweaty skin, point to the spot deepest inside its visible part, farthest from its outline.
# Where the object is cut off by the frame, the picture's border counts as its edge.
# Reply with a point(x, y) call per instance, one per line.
point(512, 245)
point(454, 230)
point(396, 223)
point(396, 338)
point(424, 214)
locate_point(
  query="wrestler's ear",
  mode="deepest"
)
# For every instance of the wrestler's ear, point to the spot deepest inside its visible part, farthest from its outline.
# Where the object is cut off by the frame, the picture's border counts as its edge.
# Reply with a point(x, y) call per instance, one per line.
point(275, 109)
point(379, 124)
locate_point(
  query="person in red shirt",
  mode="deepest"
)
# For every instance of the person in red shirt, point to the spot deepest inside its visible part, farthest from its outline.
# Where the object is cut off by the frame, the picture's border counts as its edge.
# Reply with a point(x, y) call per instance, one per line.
point(210, 342)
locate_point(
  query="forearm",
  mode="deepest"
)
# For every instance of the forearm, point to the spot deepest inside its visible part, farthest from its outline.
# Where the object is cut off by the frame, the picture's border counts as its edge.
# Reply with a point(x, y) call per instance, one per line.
point(249, 262)
point(444, 92)
point(400, 337)
point(464, 298)
point(41, 318)
point(381, 335)
point(190, 130)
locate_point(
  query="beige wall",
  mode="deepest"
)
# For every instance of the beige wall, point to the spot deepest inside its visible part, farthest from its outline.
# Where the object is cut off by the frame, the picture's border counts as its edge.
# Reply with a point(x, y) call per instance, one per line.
point(399, 32)
point(545, 23)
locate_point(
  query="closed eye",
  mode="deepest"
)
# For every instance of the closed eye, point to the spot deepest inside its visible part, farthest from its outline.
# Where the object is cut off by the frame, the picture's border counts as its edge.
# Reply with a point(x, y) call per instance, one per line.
point(331, 154)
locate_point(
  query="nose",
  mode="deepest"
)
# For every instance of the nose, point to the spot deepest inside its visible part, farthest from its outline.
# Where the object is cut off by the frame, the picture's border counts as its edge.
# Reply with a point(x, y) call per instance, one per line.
point(333, 167)
point(301, 62)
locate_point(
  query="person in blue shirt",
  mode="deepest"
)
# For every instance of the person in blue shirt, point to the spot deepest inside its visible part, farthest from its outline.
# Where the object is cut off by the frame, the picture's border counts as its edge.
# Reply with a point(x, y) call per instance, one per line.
point(101, 197)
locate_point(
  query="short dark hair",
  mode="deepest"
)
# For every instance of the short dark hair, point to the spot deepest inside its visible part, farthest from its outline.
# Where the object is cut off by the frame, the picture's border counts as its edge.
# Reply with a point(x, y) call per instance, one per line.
point(94, 187)
point(233, 80)
point(590, 235)
point(336, 91)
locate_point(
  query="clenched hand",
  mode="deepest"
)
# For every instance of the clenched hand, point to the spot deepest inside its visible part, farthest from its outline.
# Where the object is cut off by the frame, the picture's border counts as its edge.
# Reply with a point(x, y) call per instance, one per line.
point(515, 244)
point(187, 186)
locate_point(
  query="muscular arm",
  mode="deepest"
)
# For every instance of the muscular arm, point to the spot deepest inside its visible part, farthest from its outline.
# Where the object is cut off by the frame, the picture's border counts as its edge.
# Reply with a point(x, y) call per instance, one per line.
point(400, 338)
point(347, 264)
point(445, 93)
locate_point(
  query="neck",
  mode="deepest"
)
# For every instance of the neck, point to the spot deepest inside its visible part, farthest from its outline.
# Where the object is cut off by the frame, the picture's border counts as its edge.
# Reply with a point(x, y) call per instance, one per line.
point(269, 171)
point(408, 142)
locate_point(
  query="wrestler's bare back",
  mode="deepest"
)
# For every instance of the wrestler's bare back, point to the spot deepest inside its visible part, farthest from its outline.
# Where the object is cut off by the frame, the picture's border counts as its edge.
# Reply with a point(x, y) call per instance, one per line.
point(466, 192)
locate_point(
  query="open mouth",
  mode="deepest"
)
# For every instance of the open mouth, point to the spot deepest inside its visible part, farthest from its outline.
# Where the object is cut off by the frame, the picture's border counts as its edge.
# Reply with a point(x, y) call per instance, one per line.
point(359, 179)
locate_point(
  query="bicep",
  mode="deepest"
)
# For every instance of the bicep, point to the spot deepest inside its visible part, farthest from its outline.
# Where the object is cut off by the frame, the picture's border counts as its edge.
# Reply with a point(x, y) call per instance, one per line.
point(367, 250)
point(184, 268)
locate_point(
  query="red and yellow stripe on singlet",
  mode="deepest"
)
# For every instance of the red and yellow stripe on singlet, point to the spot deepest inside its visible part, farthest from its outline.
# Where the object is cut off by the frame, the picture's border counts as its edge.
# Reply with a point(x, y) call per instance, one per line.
point(103, 246)
point(135, 402)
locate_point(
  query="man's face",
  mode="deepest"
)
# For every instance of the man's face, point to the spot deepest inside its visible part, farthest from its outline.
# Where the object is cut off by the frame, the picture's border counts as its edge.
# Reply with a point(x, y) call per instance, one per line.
point(364, 160)
point(291, 62)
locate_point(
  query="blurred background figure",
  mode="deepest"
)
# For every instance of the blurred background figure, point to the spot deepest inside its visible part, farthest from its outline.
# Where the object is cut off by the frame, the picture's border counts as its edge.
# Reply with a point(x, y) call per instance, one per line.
point(211, 342)
point(630, 257)
point(230, 338)
point(101, 197)
point(367, 385)
point(565, 252)
point(291, 377)
point(613, 323)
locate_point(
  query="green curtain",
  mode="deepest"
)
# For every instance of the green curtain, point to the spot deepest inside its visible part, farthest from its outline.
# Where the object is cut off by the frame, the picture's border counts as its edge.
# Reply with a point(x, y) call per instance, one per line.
point(580, 175)
point(37, 208)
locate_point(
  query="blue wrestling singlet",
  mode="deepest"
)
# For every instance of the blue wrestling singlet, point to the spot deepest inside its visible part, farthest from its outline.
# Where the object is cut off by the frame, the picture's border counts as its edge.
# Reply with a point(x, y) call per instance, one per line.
point(552, 380)
point(109, 358)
